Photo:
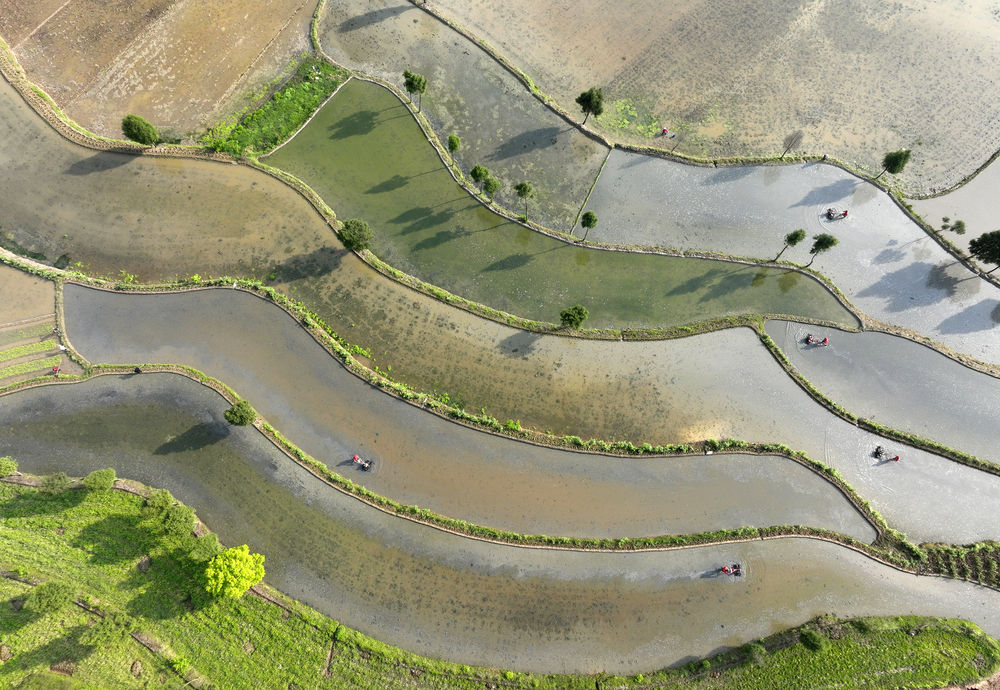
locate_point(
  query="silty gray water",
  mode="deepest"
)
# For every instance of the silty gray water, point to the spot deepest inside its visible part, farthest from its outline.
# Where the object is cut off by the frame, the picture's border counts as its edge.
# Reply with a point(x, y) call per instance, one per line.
point(443, 595)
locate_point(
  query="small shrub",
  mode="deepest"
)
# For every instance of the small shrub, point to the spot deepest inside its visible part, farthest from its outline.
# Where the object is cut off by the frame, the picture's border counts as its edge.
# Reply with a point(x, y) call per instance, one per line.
point(158, 501)
point(55, 483)
point(100, 480)
point(109, 631)
point(813, 640)
point(454, 143)
point(8, 466)
point(178, 520)
point(139, 129)
point(49, 597)
point(574, 316)
point(241, 414)
point(356, 235)
point(180, 664)
point(755, 653)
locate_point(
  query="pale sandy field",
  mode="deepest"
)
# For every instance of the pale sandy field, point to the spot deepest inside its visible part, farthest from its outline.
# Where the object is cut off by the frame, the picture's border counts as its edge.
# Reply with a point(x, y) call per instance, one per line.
point(181, 64)
point(857, 78)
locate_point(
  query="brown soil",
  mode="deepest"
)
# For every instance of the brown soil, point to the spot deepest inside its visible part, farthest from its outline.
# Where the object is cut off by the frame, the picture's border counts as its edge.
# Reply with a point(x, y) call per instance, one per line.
point(179, 63)
point(858, 79)
point(24, 296)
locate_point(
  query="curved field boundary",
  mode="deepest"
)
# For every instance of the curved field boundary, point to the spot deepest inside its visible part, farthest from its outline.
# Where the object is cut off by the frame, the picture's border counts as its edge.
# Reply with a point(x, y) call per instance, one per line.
point(340, 349)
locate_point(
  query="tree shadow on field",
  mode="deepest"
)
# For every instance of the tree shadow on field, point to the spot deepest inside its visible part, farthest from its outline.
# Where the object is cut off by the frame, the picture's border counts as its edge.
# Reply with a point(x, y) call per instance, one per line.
point(831, 193)
point(393, 183)
point(437, 239)
point(519, 345)
point(724, 175)
point(312, 265)
point(361, 122)
point(526, 141)
point(428, 222)
point(32, 502)
point(370, 18)
point(509, 263)
point(695, 283)
point(730, 282)
point(99, 162)
point(66, 648)
point(972, 319)
point(113, 539)
point(197, 437)
point(172, 586)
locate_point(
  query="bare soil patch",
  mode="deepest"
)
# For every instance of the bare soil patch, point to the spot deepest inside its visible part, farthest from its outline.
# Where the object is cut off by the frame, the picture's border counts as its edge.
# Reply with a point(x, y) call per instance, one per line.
point(24, 296)
point(858, 78)
point(179, 63)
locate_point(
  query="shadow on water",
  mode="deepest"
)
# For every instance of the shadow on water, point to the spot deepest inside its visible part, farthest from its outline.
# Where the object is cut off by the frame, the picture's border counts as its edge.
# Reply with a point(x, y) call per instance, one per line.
point(509, 263)
point(321, 262)
point(437, 239)
point(99, 162)
point(393, 183)
point(695, 283)
point(526, 142)
point(730, 282)
point(371, 18)
point(355, 124)
point(835, 191)
point(978, 317)
point(427, 222)
point(411, 215)
point(197, 437)
point(724, 175)
point(519, 345)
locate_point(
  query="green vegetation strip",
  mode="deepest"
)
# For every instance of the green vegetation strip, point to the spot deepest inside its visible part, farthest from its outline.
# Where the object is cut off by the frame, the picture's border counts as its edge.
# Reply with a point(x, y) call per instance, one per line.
point(282, 115)
point(95, 540)
point(29, 349)
point(28, 367)
point(35, 331)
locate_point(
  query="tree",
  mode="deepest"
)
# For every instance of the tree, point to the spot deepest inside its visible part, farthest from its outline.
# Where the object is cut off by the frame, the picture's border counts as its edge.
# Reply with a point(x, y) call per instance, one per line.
point(356, 235)
point(588, 221)
point(524, 191)
point(591, 102)
point(49, 597)
point(491, 186)
point(791, 239)
point(479, 174)
point(894, 162)
point(138, 129)
point(234, 571)
point(791, 141)
point(241, 413)
point(415, 84)
point(574, 316)
point(986, 248)
point(453, 143)
point(100, 480)
point(821, 243)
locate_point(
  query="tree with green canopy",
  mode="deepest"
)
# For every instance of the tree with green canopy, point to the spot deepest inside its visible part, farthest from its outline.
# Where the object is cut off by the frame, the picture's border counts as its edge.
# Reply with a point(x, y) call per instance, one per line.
point(821, 243)
point(588, 220)
point(986, 248)
point(574, 316)
point(454, 143)
point(415, 84)
point(479, 174)
point(894, 162)
point(791, 239)
point(241, 413)
point(231, 573)
point(356, 235)
point(525, 192)
point(139, 130)
point(491, 186)
point(591, 102)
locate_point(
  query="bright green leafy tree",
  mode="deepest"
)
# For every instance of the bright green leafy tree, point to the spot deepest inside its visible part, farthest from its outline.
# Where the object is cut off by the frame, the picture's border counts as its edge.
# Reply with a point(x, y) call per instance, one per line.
point(234, 571)
point(415, 84)
point(241, 413)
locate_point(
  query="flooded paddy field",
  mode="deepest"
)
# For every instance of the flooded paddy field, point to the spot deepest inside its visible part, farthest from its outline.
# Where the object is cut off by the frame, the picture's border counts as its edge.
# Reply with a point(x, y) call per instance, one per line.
point(442, 595)
point(365, 155)
point(715, 385)
point(885, 264)
point(973, 203)
point(469, 94)
point(153, 218)
point(901, 384)
point(424, 460)
point(740, 79)
point(151, 57)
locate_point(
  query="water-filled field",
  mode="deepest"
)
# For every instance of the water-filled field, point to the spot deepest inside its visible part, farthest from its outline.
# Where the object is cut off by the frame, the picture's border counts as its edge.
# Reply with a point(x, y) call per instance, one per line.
point(367, 158)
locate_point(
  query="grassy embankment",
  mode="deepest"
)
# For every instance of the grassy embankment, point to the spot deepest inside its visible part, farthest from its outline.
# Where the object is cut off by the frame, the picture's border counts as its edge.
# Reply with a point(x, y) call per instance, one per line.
point(96, 540)
point(277, 119)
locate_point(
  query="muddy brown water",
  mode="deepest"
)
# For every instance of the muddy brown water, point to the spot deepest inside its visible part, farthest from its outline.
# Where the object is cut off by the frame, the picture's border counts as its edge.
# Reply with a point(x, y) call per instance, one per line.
point(424, 460)
point(442, 595)
point(901, 384)
point(928, 497)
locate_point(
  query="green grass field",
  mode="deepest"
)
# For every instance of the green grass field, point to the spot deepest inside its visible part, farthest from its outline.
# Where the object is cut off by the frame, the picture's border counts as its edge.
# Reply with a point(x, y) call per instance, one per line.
point(94, 541)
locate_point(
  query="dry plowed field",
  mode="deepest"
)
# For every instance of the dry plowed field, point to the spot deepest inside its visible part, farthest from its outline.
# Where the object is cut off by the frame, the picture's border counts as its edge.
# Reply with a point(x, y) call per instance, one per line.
point(179, 63)
point(858, 78)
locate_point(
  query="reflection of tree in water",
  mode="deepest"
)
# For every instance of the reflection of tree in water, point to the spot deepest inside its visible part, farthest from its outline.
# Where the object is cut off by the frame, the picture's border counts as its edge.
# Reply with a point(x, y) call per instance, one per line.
point(195, 438)
point(788, 280)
